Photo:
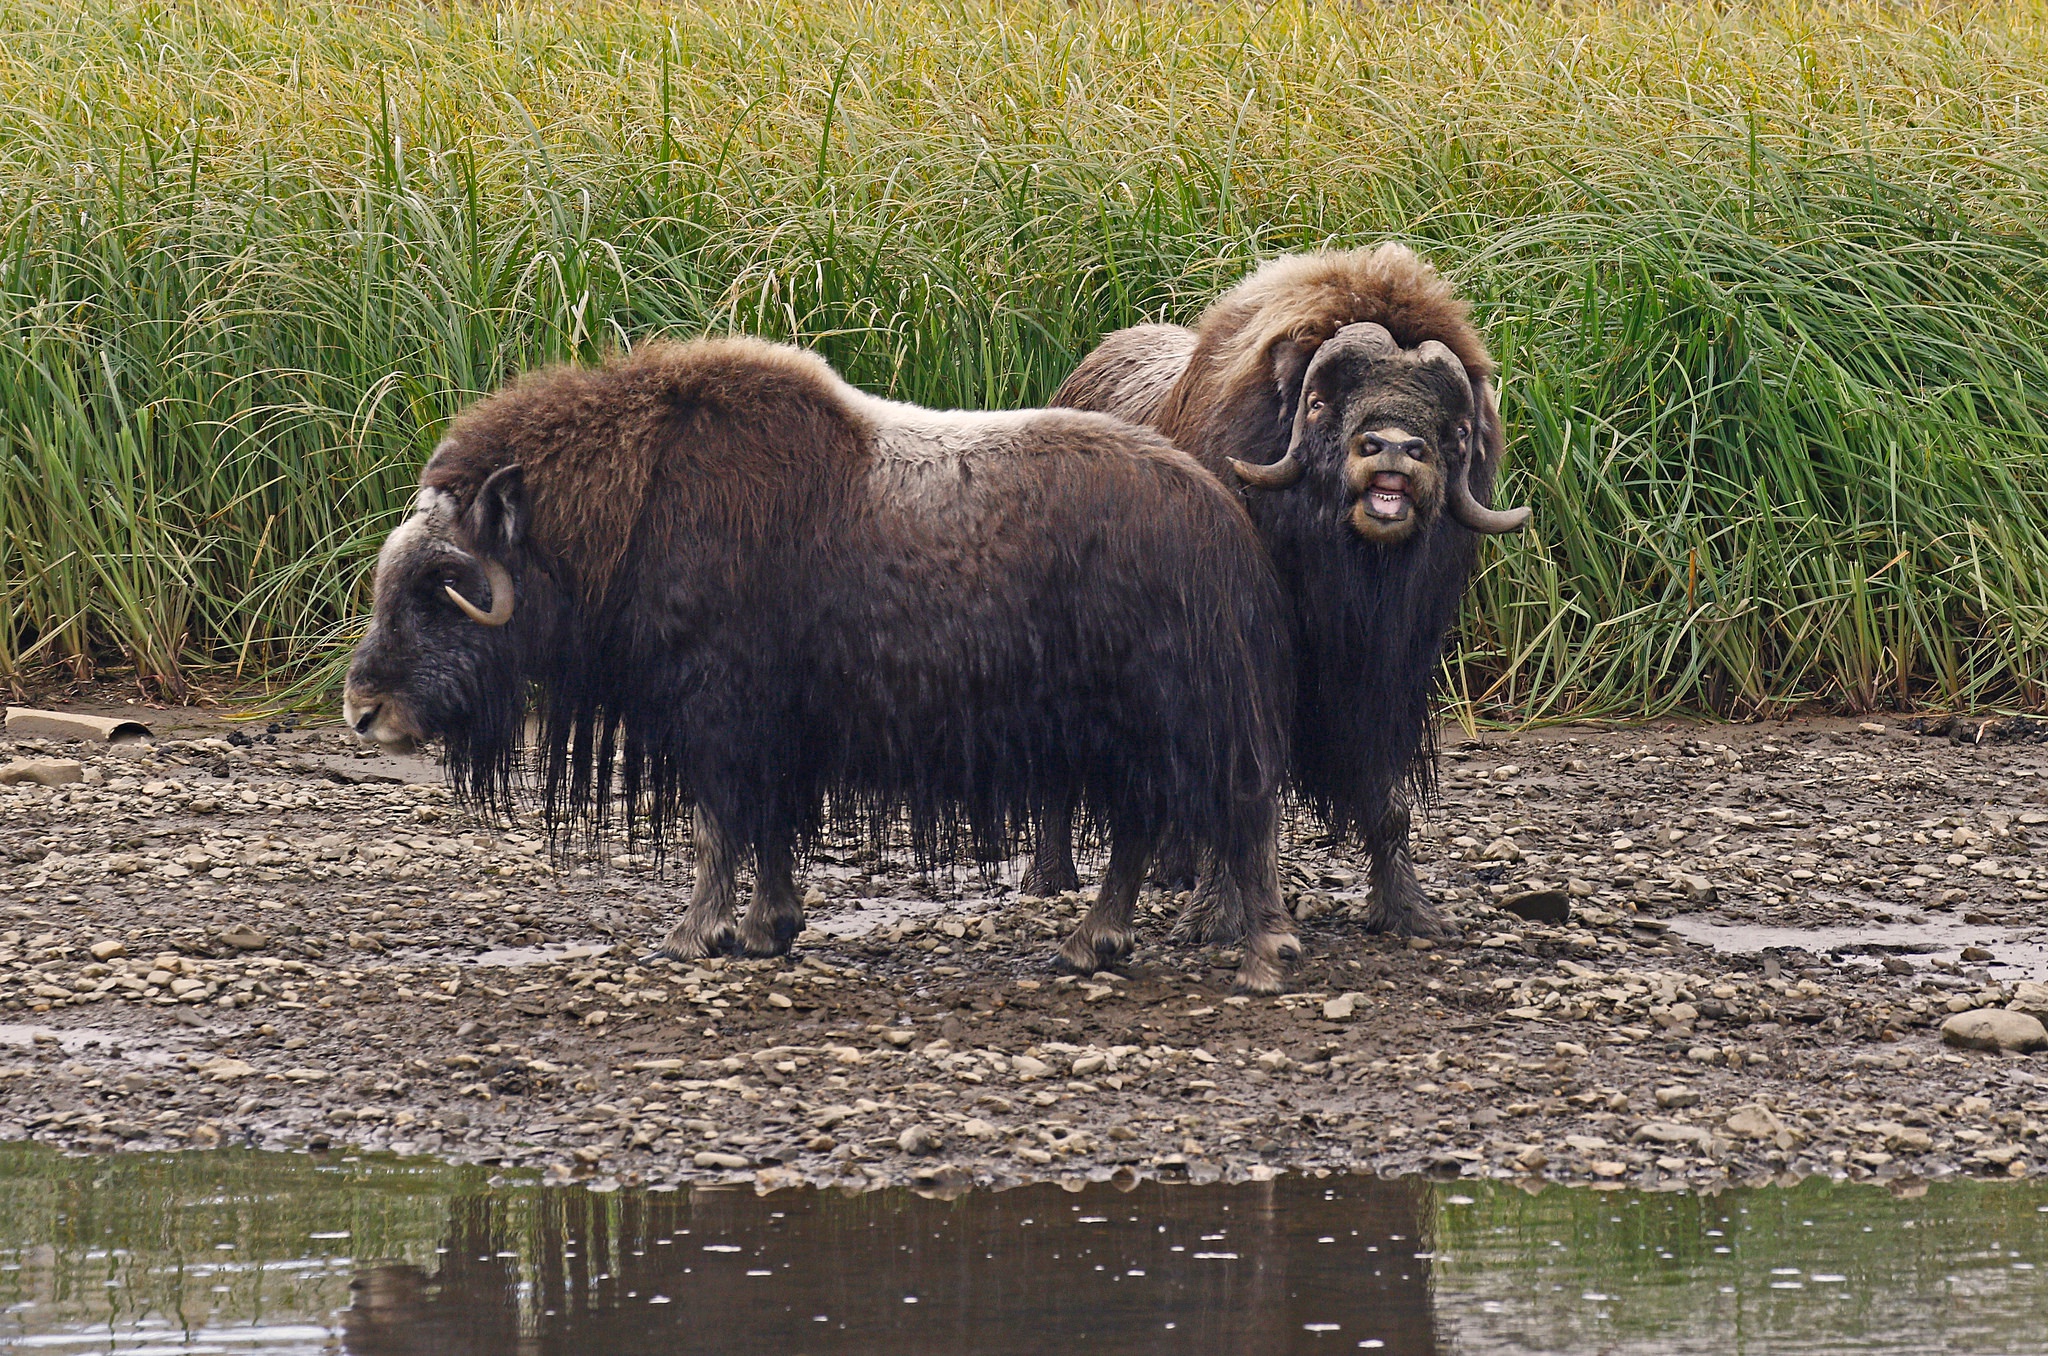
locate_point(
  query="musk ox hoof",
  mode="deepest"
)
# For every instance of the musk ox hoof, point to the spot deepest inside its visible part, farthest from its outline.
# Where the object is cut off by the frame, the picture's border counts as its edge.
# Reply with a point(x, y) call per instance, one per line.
point(1205, 922)
point(1084, 953)
point(1405, 916)
point(696, 940)
point(1046, 879)
point(1267, 963)
point(770, 937)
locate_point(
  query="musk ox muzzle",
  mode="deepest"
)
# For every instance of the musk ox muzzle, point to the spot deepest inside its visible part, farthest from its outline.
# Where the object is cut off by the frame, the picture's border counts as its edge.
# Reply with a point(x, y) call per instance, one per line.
point(1398, 475)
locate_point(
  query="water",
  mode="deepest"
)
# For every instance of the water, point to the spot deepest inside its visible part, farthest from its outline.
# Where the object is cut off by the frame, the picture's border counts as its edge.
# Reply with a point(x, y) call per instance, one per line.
point(256, 1254)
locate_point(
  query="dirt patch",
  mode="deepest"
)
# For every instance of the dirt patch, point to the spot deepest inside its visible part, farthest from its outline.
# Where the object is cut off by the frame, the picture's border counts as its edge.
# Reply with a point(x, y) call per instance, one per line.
point(285, 943)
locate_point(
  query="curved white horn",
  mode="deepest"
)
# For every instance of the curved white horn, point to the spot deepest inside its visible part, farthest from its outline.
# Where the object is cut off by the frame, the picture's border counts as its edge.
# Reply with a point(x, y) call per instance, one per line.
point(500, 580)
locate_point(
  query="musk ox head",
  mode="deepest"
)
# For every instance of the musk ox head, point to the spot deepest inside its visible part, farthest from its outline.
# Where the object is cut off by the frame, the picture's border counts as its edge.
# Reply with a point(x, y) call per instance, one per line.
point(441, 655)
point(1396, 428)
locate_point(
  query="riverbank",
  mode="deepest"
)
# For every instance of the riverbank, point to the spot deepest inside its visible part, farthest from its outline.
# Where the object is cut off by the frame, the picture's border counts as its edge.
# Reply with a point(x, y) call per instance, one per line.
point(290, 945)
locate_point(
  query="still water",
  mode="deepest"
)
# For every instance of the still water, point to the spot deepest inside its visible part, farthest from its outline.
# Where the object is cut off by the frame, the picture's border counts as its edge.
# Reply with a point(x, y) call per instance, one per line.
point(254, 1254)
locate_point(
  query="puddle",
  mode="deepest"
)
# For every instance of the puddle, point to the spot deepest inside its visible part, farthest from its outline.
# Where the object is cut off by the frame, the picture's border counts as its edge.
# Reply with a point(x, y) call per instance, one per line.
point(2020, 953)
point(859, 917)
point(277, 1253)
point(513, 956)
point(72, 1040)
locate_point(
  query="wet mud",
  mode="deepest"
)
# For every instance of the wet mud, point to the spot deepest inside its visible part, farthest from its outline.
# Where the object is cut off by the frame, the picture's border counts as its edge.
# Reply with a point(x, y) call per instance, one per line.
point(1687, 955)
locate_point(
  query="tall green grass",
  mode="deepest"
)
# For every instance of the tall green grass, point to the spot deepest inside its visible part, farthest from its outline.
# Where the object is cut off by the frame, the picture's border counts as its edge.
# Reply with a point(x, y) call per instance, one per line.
point(1769, 280)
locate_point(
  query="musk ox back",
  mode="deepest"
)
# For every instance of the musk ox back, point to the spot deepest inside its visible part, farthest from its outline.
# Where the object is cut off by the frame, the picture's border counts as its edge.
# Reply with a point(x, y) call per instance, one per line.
point(1349, 396)
point(727, 579)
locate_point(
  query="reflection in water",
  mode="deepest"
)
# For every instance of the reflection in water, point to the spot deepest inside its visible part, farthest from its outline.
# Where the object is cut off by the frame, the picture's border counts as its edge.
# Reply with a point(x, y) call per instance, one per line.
point(283, 1255)
point(1285, 1266)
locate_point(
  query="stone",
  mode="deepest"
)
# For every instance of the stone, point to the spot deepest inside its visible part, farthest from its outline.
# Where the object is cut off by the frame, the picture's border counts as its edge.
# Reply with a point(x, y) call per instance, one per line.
point(108, 950)
point(1540, 906)
point(1756, 1121)
point(1342, 1007)
point(124, 863)
point(897, 1037)
point(1026, 1068)
point(1698, 889)
point(225, 1070)
point(26, 722)
point(1995, 1029)
point(1501, 850)
point(2031, 997)
point(242, 937)
point(204, 1136)
point(1677, 1095)
point(1673, 1132)
point(711, 1158)
point(42, 771)
point(1897, 965)
point(920, 1139)
point(1977, 955)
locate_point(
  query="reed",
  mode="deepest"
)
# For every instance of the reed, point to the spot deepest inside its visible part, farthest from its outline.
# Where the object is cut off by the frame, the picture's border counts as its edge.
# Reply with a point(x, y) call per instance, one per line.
point(1769, 281)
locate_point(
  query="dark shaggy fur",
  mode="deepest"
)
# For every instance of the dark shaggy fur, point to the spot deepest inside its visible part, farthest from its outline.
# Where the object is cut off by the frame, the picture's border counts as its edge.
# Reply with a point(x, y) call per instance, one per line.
point(1367, 621)
point(749, 587)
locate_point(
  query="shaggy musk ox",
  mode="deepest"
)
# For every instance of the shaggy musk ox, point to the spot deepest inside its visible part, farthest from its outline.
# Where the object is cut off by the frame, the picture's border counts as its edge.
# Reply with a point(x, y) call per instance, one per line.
point(1350, 394)
point(729, 580)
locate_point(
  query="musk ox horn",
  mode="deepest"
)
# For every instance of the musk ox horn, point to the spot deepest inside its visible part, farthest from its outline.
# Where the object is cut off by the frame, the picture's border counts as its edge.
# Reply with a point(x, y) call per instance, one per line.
point(1364, 338)
point(500, 580)
point(1462, 504)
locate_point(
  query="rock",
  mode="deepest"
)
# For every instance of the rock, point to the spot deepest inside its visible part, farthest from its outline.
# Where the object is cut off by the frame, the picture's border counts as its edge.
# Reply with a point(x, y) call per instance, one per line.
point(242, 937)
point(1995, 1029)
point(42, 771)
point(780, 1000)
point(1756, 1121)
point(1673, 1132)
point(26, 722)
point(1698, 889)
point(124, 863)
point(1026, 1068)
point(920, 1139)
point(710, 1158)
point(1897, 965)
point(1540, 906)
point(2029, 996)
point(1088, 1064)
point(225, 1070)
point(1977, 955)
point(204, 1137)
point(1501, 850)
point(1341, 1008)
point(897, 1037)
point(1677, 1095)
point(108, 950)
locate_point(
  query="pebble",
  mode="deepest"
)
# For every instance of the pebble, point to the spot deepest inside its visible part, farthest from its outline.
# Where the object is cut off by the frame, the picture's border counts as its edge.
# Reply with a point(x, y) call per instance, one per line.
point(709, 1158)
point(2031, 997)
point(1341, 1008)
point(1995, 1029)
point(108, 950)
point(920, 1139)
point(42, 771)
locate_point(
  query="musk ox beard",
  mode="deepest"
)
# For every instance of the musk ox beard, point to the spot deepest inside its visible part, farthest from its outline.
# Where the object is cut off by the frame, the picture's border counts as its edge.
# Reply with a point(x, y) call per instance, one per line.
point(725, 579)
point(1350, 396)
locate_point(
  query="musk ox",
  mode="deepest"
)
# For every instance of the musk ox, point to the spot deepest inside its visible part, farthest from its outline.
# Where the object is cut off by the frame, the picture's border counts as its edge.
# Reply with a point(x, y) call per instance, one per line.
point(1350, 395)
point(726, 579)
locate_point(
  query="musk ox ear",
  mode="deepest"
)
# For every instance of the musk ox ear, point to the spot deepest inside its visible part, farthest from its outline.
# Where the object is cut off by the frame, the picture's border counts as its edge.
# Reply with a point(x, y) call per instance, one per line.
point(1290, 359)
point(497, 517)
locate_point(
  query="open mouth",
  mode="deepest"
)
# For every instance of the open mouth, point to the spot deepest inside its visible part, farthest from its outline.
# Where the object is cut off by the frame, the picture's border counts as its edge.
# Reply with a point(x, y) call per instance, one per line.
point(1386, 498)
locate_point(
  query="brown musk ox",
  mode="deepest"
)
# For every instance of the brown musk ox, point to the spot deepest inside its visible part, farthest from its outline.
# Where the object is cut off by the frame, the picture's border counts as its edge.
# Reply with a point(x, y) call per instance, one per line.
point(1350, 396)
point(725, 579)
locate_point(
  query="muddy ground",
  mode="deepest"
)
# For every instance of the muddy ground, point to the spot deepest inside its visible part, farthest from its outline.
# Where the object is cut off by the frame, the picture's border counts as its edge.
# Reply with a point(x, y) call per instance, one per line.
point(292, 944)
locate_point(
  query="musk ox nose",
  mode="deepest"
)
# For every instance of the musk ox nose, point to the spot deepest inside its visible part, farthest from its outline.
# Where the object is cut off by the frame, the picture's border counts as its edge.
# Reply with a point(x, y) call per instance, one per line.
point(1400, 442)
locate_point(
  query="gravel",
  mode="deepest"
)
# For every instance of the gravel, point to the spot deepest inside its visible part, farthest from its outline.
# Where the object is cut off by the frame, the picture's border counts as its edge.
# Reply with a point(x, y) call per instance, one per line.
point(1742, 951)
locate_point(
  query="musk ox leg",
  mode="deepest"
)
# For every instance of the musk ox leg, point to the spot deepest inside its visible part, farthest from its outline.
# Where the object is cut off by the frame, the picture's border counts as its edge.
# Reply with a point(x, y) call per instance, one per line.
point(777, 914)
point(1052, 858)
point(707, 926)
point(1105, 936)
point(1270, 946)
point(1399, 904)
point(1215, 916)
point(1178, 866)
